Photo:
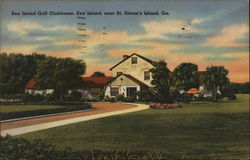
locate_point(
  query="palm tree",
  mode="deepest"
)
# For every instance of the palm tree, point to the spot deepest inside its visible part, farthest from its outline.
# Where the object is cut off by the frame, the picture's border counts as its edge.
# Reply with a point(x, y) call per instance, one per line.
point(216, 78)
point(186, 76)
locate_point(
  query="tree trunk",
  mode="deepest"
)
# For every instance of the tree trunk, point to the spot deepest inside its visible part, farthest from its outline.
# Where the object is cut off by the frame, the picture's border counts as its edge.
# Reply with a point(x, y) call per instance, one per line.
point(214, 94)
point(61, 97)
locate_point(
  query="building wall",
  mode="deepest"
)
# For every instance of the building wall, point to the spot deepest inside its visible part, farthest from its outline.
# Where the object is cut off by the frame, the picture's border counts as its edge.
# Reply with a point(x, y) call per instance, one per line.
point(135, 70)
point(122, 82)
point(41, 92)
point(122, 90)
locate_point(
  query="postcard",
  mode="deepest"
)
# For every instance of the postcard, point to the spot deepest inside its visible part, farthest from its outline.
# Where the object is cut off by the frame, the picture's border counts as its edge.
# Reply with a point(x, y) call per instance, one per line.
point(114, 79)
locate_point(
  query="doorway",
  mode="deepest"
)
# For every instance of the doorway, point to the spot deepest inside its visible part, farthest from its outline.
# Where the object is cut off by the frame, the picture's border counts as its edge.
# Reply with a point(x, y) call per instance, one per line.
point(131, 92)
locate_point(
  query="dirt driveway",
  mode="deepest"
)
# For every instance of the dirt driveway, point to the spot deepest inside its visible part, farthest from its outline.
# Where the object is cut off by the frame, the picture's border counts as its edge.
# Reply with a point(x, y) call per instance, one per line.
point(98, 108)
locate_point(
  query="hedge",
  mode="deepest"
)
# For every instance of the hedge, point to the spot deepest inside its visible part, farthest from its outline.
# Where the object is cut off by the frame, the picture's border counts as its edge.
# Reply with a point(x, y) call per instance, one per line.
point(67, 108)
point(22, 149)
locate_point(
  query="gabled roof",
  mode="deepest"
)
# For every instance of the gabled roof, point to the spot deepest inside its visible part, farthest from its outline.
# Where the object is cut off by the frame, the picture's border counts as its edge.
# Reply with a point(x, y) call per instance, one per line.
point(131, 78)
point(144, 58)
point(89, 82)
point(31, 84)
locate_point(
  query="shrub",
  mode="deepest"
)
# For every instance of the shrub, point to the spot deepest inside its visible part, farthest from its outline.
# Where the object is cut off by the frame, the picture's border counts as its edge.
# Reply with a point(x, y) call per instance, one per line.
point(22, 149)
point(164, 106)
point(107, 99)
point(112, 100)
point(31, 97)
point(100, 96)
point(231, 97)
point(73, 96)
point(129, 99)
point(51, 97)
point(119, 97)
point(146, 96)
point(12, 96)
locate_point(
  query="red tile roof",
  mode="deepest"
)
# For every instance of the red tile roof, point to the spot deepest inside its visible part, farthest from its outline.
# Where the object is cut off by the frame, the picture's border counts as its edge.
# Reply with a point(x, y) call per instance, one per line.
point(89, 82)
point(193, 91)
point(31, 84)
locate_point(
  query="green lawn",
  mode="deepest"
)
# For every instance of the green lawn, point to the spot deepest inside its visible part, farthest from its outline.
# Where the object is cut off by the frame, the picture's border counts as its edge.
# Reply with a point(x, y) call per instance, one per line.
point(18, 108)
point(198, 130)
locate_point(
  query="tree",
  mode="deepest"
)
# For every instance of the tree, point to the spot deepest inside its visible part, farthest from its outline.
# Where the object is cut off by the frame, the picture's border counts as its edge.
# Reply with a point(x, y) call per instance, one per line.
point(16, 70)
point(60, 74)
point(186, 76)
point(161, 81)
point(216, 78)
point(98, 74)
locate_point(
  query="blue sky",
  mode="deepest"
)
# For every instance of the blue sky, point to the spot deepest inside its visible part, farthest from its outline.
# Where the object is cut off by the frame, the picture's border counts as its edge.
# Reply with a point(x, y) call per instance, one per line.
point(205, 32)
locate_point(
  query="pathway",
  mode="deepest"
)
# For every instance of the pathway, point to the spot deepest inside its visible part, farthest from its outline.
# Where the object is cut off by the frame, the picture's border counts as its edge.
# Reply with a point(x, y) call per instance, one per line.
point(100, 110)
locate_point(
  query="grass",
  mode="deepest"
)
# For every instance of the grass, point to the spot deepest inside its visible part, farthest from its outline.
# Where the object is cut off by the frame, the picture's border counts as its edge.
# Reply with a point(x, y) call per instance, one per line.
point(18, 108)
point(199, 130)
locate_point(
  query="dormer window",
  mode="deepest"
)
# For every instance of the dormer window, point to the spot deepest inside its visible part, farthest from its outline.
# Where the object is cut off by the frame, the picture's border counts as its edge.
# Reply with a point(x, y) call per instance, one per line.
point(134, 60)
point(146, 75)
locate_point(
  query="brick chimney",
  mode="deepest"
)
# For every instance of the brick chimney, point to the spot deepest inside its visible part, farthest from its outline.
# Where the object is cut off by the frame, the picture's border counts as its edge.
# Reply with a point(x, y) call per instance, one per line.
point(125, 56)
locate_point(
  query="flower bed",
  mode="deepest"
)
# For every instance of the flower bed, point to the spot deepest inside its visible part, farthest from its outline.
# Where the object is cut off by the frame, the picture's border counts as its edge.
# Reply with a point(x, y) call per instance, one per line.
point(164, 106)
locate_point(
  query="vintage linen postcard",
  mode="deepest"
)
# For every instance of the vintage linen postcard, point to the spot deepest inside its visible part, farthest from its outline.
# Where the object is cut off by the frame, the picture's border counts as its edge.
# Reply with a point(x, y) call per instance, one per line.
point(124, 80)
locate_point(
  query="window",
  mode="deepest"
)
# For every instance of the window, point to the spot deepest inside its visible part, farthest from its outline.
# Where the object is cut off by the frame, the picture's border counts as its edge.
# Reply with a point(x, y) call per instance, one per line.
point(118, 73)
point(114, 91)
point(146, 75)
point(134, 60)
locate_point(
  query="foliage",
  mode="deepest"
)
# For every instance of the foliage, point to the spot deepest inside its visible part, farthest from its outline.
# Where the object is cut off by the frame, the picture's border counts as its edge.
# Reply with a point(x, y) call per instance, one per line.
point(20, 148)
point(51, 97)
point(119, 97)
point(129, 99)
point(238, 88)
point(145, 96)
point(98, 74)
point(101, 95)
point(216, 78)
point(28, 113)
point(14, 96)
point(186, 76)
point(177, 97)
point(16, 70)
point(229, 92)
point(73, 96)
point(35, 97)
point(161, 82)
point(60, 74)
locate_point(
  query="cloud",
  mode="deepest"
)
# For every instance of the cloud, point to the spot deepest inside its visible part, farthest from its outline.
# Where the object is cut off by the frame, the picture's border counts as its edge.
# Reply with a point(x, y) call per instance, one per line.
point(158, 28)
point(220, 58)
point(228, 36)
point(198, 20)
point(24, 49)
point(45, 38)
point(23, 27)
point(210, 50)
